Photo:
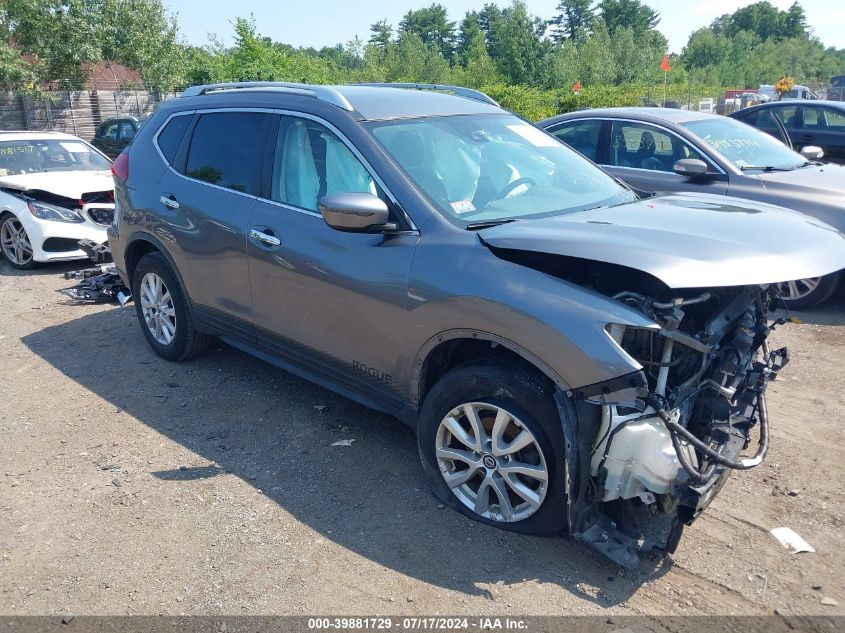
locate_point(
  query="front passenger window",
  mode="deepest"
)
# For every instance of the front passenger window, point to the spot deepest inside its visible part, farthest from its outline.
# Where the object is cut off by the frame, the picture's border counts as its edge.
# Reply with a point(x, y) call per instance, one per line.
point(310, 162)
point(645, 147)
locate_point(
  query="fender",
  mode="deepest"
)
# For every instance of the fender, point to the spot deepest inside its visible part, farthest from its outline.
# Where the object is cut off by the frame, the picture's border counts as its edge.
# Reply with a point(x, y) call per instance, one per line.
point(480, 335)
point(142, 236)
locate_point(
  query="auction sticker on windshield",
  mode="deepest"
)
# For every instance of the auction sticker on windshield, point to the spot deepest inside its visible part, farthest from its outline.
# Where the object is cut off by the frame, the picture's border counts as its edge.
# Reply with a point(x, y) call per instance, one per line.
point(75, 147)
point(533, 135)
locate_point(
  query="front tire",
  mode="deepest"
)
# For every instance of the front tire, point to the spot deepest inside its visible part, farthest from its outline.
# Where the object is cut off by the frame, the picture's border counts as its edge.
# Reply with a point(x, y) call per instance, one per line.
point(15, 244)
point(808, 293)
point(163, 310)
point(491, 441)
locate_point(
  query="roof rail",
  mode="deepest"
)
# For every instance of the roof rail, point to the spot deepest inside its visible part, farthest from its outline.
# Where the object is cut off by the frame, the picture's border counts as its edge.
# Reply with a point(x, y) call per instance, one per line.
point(468, 93)
point(322, 93)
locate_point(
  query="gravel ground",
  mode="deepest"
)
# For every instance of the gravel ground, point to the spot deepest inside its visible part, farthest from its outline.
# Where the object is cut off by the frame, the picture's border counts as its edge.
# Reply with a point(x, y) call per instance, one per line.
point(131, 485)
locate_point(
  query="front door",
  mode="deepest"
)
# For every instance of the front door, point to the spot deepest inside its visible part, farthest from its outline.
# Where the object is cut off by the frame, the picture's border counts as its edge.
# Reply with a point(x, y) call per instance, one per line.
point(332, 303)
point(205, 202)
point(644, 156)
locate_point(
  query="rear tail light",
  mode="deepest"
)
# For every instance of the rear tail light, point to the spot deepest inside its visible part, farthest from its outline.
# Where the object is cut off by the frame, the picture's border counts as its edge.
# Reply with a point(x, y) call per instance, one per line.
point(120, 167)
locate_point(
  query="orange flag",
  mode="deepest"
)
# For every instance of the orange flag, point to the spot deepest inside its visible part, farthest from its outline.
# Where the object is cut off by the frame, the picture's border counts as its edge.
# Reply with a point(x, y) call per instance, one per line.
point(664, 65)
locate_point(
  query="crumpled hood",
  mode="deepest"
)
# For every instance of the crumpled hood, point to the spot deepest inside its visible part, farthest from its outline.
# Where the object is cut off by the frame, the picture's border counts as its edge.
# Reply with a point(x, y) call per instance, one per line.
point(687, 240)
point(70, 184)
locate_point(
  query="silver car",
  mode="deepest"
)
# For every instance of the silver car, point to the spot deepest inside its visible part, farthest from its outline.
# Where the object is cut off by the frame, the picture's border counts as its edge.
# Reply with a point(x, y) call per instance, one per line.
point(662, 149)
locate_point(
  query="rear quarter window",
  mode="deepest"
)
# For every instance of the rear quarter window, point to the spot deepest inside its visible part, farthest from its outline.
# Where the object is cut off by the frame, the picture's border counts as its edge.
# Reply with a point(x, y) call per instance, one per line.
point(171, 135)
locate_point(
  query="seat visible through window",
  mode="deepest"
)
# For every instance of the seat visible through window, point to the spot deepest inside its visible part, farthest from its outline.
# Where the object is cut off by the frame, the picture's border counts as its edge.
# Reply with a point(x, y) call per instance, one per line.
point(310, 162)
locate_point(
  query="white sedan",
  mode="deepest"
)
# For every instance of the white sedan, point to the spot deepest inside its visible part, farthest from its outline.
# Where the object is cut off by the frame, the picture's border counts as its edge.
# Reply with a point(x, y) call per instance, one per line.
point(55, 190)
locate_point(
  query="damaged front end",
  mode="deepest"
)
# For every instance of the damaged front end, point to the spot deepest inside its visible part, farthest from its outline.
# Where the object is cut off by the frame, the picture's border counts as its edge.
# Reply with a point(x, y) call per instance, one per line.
point(667, 444)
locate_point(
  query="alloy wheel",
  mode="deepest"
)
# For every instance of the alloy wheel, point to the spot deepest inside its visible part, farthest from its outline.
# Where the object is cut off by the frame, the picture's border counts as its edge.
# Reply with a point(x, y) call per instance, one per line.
point(793, 290)
point(15, 242)
point(491, 462)
point(157, 309)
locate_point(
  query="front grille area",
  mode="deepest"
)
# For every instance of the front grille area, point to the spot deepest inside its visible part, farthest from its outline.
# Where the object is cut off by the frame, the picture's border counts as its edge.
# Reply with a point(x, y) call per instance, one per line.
point(98, 196)
point(101, 216)
point(60, 245)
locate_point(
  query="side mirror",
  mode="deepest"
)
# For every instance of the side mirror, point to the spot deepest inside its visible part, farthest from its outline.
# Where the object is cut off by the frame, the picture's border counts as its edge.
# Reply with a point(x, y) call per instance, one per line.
point(354, 212)
point(811, 152)
point(690, 167)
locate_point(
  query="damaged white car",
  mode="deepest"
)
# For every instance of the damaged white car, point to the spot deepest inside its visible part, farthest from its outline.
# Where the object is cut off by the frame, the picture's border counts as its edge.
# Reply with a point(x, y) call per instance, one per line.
point(55, 190)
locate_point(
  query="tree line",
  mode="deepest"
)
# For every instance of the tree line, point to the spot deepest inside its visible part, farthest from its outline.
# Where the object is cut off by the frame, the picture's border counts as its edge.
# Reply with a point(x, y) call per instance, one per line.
point(604, 45)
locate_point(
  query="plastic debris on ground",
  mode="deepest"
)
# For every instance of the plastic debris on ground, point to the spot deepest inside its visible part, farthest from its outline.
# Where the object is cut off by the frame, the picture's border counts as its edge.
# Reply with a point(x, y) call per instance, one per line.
point(343, 443)
point(97, 285)
point(100, 284)
point(791, 540)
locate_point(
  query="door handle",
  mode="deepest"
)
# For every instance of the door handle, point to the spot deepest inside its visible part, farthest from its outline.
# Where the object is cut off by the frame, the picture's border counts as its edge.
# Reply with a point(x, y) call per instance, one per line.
point(264, 238)
point(169, 202)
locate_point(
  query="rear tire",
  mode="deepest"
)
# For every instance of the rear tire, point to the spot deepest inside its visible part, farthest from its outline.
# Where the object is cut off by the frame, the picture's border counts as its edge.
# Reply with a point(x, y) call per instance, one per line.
point(797, 296)
point(163, 310)
point(522, 489)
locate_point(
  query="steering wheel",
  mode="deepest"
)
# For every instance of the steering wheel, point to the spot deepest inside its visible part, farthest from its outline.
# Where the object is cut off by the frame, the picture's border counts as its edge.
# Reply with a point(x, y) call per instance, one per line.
point(513, 185)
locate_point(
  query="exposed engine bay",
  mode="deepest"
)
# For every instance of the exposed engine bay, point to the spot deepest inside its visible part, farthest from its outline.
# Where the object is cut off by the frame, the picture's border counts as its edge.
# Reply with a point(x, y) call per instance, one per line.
point(661, 441)
point(672, 446)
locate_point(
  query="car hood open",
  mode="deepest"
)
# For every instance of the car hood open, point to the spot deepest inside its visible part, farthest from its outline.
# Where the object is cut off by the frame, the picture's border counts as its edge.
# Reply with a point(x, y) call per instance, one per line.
point(68, 184)
point(687, 240)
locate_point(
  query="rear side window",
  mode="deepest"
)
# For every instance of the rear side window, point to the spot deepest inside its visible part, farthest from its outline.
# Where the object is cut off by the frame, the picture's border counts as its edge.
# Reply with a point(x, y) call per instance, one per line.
point(171, 136)
point(227, 149)
point(582, 136)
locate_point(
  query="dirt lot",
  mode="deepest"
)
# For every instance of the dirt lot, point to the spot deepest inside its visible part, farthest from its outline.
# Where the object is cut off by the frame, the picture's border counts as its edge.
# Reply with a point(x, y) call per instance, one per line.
point(132, 485)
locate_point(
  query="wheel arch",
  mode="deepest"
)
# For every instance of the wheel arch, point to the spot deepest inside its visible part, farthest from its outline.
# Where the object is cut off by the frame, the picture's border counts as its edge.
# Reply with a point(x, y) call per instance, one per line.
point(452, 348)
point(140, 244)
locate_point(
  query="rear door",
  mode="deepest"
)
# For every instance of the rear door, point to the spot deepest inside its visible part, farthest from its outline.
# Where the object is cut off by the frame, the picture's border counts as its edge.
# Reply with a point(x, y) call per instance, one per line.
point(204, 201)
point(582, 135)
point(825, 128)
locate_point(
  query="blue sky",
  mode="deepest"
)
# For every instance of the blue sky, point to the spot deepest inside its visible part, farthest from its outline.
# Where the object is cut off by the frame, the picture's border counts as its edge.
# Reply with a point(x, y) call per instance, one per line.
point(328, 22)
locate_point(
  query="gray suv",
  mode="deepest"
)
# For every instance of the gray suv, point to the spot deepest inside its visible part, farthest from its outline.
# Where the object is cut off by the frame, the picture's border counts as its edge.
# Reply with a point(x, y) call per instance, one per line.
point(568, 354)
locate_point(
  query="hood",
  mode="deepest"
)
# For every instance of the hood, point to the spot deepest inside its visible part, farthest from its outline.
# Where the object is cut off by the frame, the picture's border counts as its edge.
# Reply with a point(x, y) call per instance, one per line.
point(687, 240)
point(68, 184)
point(819, 190)
point(816, 179)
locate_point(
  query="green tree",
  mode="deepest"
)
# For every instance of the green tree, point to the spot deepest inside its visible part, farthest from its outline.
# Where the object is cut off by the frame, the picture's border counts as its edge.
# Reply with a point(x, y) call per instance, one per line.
point(596, 64)
point(69, 36)
point(381, 33)
point(574, 18)
point(432, 25)
point(628, 13)
point(480, 69)
point(704, 48)
point(518, 52)
point(467, 30)
point(795, 21)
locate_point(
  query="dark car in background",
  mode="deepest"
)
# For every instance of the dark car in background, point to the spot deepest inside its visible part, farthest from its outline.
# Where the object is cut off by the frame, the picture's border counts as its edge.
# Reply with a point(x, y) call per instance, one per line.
point(816, 123)
point(113, 135)
point(665, 150)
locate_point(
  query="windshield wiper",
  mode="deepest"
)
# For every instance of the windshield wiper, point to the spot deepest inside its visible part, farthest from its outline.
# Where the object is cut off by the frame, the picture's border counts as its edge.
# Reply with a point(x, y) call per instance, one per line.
point(486, 224)
point(765, 168)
